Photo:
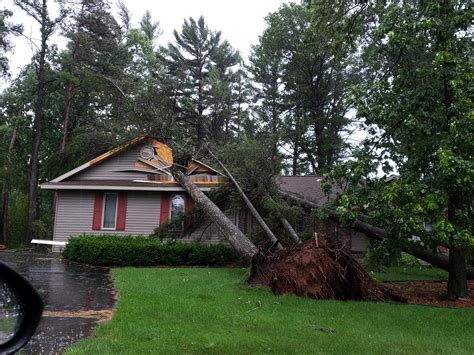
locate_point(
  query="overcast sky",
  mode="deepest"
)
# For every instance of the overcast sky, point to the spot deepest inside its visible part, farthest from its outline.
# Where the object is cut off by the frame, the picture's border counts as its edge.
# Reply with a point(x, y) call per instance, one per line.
point(241, 22)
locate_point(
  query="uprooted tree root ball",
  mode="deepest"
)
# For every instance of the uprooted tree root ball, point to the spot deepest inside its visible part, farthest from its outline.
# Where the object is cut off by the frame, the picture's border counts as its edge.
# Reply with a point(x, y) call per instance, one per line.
point(317, 269)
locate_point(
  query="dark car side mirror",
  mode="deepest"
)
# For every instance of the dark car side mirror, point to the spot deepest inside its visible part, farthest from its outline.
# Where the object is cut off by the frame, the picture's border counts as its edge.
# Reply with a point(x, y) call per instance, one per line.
point(21, 308)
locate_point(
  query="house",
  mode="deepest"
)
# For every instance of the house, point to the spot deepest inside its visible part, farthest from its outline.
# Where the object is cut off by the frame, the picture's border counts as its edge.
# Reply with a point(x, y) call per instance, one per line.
point(130, 191)
point(309, 188)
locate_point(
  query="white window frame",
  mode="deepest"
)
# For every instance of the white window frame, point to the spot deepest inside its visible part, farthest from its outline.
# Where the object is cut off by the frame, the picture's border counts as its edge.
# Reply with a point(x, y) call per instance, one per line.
point(116, 212)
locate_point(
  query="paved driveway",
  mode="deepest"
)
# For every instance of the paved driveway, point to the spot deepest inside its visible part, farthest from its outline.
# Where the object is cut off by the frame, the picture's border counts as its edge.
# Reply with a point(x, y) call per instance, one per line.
point(76, 297)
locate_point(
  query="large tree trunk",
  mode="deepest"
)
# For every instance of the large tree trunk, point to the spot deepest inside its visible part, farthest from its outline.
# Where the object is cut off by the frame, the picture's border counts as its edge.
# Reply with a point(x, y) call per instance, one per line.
point(373, 232)
point(249, 204)
point(37, 126)
point(457, 281)
point(67, 111)
point(233, 234)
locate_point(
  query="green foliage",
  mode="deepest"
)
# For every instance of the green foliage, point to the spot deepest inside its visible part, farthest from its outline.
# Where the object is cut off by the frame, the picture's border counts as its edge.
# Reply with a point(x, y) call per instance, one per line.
point(254, 164)
point(275, 208)
point(382, 255)
point(17, 222)
point(7, 29)
point(379, 258)
point(319, 214)
point(407, 260)
point(109, 250)
point(302, 67)
point(205, 84)
point(414, 174)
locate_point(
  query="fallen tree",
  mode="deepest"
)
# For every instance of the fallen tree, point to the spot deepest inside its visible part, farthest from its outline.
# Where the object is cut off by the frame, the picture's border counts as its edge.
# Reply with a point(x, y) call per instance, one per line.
point(310, 269)
point(249, 204)
point(440, 261)
point(233, 234)
point(318, 269)
point(291, 231)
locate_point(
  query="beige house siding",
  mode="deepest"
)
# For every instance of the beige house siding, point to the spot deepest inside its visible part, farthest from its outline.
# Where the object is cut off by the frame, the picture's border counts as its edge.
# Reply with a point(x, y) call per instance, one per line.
point(75, 211)
point(107, 170)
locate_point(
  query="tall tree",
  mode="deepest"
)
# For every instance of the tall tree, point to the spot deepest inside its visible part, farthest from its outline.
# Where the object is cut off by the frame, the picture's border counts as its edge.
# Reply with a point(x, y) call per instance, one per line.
point(200, 62)
point(6, 30)
point(302, 73)
point(416, 103)
point(38, 10)
point(151, 88)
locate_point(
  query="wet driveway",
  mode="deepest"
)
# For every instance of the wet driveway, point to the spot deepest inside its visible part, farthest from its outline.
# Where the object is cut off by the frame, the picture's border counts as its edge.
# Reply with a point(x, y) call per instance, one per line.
point(76, 297)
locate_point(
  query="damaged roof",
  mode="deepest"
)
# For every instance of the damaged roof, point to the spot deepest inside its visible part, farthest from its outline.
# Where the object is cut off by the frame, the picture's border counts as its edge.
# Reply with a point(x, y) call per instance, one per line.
point(143, 163)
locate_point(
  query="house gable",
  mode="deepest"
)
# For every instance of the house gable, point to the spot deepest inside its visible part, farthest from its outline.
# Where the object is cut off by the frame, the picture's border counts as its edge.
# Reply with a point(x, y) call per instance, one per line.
point(138, 164)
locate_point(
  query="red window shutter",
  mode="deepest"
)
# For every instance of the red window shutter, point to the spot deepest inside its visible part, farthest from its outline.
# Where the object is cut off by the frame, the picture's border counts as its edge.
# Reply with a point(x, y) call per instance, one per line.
point(188, 203)
point(188, 207)
point(97, 216)
point(165, 207)
point(121, 211)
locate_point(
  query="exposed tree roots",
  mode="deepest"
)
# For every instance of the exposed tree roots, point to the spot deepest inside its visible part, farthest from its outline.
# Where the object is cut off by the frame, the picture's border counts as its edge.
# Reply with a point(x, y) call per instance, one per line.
point(317, 269)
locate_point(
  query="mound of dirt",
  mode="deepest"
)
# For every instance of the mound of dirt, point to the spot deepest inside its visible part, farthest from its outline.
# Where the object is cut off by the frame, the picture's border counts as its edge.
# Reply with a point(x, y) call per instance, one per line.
point(318, 269)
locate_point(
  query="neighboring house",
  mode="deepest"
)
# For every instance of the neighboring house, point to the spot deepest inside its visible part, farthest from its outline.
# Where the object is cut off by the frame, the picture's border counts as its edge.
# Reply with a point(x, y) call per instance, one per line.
point(129, 190)
point(309, 188)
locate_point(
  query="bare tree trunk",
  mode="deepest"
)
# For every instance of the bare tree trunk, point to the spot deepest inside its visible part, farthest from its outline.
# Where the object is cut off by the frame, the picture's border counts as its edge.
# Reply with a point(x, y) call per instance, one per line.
point(233, 234)
point(249, 204)
point(373, 232)
point(67, 112)
point(37, 124)
point(290, 230)
point(66, 115)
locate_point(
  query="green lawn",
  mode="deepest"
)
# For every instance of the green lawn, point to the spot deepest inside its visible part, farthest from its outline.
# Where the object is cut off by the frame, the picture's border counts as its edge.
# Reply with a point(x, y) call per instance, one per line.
point(410, 273)
point(211, 311)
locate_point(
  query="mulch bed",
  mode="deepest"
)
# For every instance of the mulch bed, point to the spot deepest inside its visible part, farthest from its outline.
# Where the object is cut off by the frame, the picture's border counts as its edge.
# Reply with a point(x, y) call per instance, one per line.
point(431, 293)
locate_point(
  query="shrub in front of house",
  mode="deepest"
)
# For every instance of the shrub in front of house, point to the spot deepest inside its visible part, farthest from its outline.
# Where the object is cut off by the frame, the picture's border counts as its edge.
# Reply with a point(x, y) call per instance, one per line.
point(112, 250)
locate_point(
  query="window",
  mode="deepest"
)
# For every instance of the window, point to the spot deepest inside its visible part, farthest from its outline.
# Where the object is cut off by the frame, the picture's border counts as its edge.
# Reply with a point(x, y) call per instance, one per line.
point(177, 212)
point(109, 220)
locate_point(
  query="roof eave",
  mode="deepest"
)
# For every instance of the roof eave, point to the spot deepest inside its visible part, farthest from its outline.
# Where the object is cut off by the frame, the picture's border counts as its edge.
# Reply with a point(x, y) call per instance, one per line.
point(51, 186)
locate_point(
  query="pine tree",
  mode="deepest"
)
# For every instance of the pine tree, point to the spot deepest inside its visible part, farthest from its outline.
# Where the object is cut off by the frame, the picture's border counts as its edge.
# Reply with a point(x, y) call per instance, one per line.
point(201, 65)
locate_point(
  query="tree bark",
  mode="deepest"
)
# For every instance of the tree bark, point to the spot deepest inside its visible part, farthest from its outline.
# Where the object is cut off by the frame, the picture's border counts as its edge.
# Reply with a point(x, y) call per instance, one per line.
point(249, 204)
point(457, 280)
point(373, 232)
point(233, 234)
point(290, 230)
point(37, 125)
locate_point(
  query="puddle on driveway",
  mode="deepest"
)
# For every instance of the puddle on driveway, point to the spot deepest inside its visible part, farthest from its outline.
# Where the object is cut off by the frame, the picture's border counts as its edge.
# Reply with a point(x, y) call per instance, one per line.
point(76, 297)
